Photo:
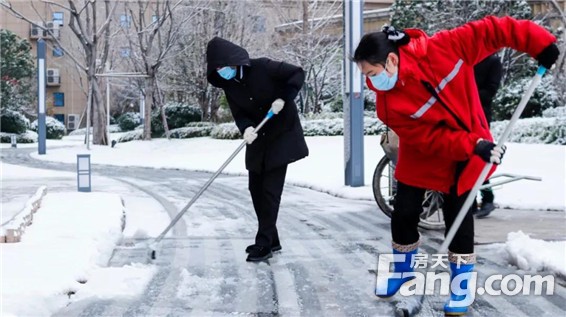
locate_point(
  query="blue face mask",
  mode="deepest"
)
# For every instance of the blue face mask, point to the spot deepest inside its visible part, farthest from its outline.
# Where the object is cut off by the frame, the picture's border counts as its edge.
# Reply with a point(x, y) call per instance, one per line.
point(382, 81)
point(227, 72)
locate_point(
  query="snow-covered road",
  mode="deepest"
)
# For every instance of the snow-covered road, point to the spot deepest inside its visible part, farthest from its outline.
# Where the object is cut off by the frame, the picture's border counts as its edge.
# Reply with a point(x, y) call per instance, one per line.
point(326, 267)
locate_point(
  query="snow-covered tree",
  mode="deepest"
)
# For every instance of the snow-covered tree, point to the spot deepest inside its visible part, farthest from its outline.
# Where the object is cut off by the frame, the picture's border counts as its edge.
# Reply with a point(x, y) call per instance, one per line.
point(16, 73)
point(311, 46)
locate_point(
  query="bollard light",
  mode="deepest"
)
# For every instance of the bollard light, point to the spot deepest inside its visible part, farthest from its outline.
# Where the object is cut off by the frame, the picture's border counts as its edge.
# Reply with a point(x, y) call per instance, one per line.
point(14, 140)
point(83, 172)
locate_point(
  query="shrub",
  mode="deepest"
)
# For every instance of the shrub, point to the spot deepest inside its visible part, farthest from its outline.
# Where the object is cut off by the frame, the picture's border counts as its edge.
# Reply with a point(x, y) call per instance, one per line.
point(13, 122)
point(129, 121)
point(554, 112)
point(54, 129)
point(190, 132)
point(178, 115)
point(26, 137)
point(330, 127)
point(227, 131)
point(534, 130)
point(508, 98)
point(131, 136)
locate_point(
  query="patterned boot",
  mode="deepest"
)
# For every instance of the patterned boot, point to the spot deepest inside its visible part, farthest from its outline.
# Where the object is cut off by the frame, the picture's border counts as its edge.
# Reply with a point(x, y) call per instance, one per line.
point(389, 285)
point(462, 294)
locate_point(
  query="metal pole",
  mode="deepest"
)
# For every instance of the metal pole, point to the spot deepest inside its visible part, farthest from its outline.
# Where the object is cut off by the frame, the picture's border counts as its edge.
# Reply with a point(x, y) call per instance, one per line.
point(41, 96)
point(353, 96)
point(108, 105)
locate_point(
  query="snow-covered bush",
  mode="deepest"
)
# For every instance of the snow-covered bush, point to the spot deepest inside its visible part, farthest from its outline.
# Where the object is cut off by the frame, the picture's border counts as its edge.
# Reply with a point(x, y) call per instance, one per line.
point(534, 130)
point(79, 131)
point(114, 128)
point(227, 131)
point(13, 122)
point(54, 128)
point(190, 132)
point(508, 98)
point(26, 137)
point(372, 126)
point(554, 112)
point(332, 115)
point(329, 127)
point(131, 136)
point(178, 115)
point(129, 121)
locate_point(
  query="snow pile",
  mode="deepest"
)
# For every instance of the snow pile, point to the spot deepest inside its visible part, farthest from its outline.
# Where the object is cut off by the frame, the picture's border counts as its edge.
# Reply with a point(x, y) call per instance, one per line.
point(536, 255)
point(534, 130)
point(72, 236)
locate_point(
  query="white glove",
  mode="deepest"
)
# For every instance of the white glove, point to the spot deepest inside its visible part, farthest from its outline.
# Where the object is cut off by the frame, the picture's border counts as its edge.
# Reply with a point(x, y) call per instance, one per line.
point(277, 105)
point(249, 135)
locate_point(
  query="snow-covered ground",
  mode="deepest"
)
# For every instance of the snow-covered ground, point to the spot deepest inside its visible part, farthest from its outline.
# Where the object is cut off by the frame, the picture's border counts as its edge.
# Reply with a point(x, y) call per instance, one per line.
point(323, 169)
point(67, 244)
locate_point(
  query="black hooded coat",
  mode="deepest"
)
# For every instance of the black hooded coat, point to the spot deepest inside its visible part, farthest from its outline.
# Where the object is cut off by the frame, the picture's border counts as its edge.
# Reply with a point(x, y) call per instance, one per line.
point(258, 83)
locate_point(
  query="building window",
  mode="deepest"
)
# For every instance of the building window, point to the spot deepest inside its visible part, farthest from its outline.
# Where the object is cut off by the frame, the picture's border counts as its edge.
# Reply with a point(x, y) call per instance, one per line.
point(125, 21)
point(154, 18)
point(125, 52)
point(258, 24)
point(59, 99)
point(60, 118)
point(58, 18)
point(57, 51)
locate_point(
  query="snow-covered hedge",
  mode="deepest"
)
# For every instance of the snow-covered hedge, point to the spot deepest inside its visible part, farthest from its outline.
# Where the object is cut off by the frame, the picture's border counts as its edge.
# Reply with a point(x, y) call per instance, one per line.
point(226, 131)
point(178, 116)
point(372, 126)
point(26, 137)
point(113, 129)
point(13, 122)
point(191, 132)
point(131, 136)
point(129, 121)
point(54, 128)
point(534, 130)
point(508, 97)
point(554, 112)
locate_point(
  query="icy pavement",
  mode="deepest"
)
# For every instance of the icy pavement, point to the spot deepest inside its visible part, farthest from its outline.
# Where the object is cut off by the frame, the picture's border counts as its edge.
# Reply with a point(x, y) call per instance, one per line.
point(325, 268)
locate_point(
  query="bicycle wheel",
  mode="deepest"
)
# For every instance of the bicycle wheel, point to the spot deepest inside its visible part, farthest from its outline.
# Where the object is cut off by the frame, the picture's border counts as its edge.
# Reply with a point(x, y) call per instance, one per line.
point(384, 186)
point(384, 191)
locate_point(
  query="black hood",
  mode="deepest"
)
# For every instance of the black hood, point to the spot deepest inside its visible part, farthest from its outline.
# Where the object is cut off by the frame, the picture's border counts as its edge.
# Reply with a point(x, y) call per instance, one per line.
point(220, 53)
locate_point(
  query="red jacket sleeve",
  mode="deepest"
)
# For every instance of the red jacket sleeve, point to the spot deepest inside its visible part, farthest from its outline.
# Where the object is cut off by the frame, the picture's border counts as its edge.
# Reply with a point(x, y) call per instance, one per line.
point(476, 40)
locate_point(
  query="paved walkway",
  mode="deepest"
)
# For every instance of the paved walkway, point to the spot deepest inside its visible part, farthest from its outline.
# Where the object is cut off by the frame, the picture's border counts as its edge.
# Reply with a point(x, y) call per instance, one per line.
point(538, 224)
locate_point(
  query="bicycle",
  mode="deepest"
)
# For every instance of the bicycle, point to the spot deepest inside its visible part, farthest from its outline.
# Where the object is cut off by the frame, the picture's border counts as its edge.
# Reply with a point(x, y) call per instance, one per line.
point(384, 191)
point(432, 218)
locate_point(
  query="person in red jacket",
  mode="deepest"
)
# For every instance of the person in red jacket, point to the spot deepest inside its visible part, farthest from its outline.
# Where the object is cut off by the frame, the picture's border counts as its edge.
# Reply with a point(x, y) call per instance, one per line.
point(426, 93)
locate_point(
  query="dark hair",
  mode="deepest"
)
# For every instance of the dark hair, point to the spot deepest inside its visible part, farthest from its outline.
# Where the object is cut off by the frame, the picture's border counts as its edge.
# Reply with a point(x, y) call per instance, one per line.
point(374, 47)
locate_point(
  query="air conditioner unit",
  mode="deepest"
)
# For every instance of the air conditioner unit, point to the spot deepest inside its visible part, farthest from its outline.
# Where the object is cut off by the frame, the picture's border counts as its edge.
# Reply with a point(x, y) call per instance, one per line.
point(73, 121)
point(35, 31)
point(53, 78)
point(53, 29)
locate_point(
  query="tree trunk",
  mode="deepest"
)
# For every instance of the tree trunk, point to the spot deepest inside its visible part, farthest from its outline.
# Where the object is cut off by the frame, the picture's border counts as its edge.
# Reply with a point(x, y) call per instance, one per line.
point(148, 93)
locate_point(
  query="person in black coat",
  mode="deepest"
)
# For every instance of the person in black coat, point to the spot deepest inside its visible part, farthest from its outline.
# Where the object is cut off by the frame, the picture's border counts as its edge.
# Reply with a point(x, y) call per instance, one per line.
point(488, 74)
point(252, 86)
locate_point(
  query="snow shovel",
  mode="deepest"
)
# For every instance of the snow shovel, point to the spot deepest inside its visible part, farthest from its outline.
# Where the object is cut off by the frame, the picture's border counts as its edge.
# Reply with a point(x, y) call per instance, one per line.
point(154, 245)
point(472, 195)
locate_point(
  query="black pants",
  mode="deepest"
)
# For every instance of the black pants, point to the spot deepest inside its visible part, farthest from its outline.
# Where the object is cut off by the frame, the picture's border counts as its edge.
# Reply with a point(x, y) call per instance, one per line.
point(408, 207)
point(266, 188)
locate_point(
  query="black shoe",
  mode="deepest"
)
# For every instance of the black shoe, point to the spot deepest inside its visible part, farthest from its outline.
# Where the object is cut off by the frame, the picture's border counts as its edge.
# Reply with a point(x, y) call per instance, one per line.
point(259, 253)
point(485, 210)
point(253, 246)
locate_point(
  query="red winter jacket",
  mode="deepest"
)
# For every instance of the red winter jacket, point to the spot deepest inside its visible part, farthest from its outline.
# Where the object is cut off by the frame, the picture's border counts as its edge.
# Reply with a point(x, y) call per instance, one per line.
point(431, 140)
